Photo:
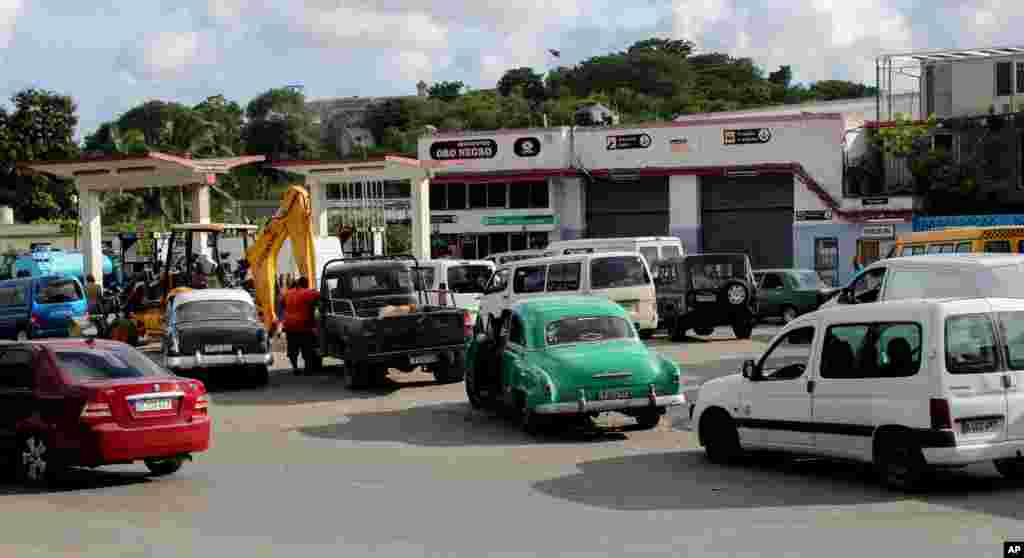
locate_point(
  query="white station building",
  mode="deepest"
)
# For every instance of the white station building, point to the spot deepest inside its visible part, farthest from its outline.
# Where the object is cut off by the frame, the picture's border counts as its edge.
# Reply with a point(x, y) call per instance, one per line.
point(768, 184)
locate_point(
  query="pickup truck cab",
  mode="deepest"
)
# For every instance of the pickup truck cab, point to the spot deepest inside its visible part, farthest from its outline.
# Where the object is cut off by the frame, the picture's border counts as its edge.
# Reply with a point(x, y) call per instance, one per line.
point(374, 318)
point(906, 385)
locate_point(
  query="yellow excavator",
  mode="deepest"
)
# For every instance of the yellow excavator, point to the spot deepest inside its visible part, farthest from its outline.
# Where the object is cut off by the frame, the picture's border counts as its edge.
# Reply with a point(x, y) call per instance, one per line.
point(293, 221)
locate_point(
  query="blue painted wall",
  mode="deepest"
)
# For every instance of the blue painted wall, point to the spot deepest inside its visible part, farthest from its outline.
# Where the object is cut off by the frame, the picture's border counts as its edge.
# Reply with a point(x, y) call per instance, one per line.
point(938, 222)
point(846, 234)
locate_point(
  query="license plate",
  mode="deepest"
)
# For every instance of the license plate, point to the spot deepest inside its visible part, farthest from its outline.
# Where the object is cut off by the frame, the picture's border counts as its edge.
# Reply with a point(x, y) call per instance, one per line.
point(217, 349)
point(979, 426)
point(706, 298)
point(422, 359)
point(615, 394)
point(146, 405)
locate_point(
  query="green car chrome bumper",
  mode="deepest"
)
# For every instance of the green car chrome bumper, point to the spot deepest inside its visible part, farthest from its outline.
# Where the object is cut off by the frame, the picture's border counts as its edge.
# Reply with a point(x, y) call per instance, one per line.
point(582, 405)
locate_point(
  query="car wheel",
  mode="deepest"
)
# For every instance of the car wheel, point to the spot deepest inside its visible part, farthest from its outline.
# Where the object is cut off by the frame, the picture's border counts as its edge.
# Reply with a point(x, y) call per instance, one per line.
point(646, 334)
point(22, 336)
point(648, 419)
point(1010, 469)
point(788, 314)
point(736, 294)
point(678, 332)
point(743, 330)
point(450, 372)
point(259, 376)
point(529, 421)
point(164, 467)
point(899, 463)
point(719, 436)
point(476, 400)
point(35, 463)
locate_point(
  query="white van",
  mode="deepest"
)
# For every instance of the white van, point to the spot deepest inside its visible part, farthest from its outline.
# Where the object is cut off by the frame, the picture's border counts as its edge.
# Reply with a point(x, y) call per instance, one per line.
point(463, 281)
point(936, 276)
point(623, 277)
point(503, 258)
point(653, 248)
point(905, 385)
point(325, 249)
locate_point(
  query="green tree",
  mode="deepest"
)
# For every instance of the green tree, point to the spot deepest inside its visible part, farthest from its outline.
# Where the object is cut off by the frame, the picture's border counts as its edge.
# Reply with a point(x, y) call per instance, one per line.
point(446, 90)
point(280, 127)
point(528, 82)
point(41, 127)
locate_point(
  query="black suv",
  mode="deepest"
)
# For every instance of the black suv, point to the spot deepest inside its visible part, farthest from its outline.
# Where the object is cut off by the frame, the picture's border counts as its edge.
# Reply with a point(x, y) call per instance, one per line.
point(702, 291)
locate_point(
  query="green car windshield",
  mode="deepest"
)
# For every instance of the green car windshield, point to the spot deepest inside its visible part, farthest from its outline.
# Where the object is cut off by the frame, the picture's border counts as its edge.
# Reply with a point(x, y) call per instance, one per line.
point(711, 272)
point(588, 329)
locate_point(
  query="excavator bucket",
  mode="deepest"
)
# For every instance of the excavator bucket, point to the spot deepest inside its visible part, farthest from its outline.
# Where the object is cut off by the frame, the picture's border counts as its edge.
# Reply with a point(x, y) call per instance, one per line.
point(294, 221)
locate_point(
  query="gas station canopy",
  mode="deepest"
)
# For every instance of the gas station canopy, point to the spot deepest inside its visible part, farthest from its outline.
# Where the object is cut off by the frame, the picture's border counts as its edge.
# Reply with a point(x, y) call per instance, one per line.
point(134, 172)
point(388, 167)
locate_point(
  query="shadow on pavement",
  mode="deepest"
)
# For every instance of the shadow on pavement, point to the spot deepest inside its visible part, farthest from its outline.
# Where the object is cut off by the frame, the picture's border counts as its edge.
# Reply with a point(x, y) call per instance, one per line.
point(288, 389)
point(686, 480)
point(75, 479)
point(453, 424)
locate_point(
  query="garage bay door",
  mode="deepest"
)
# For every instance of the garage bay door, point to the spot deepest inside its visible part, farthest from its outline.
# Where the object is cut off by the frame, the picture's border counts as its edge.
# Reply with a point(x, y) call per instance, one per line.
point(751, 214)
point(633, 208)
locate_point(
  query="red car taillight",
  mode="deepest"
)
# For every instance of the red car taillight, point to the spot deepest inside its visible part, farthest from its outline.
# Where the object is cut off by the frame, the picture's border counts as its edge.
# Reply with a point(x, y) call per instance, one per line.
point(467, 323)
point(202, 405)
point(96, 409)
point(942, 419)
point(36, 320)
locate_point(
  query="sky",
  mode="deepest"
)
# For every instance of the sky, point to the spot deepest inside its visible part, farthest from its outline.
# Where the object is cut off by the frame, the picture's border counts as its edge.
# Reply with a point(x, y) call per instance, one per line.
point(111, 55)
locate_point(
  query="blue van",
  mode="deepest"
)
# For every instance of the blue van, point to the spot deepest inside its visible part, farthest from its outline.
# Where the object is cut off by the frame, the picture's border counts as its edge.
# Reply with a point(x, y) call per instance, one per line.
point(36, 307)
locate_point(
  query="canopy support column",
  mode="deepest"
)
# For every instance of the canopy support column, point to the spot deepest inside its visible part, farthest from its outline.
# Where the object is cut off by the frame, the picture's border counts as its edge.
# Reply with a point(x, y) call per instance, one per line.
point(316, 203)
point(201, 214)
point(420, 217)
point(91, 228)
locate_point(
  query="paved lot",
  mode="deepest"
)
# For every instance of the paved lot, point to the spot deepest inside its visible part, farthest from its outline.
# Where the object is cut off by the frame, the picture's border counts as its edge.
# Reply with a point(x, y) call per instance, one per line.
point(307, 468)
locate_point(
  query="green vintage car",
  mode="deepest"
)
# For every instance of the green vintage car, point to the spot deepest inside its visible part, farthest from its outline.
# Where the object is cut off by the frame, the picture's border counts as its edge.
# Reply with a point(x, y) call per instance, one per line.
point(788, 293)
point(571, 357)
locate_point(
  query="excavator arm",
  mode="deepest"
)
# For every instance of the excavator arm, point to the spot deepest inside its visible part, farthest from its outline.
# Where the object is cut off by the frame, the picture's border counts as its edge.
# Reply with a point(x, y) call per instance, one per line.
point(293, 221)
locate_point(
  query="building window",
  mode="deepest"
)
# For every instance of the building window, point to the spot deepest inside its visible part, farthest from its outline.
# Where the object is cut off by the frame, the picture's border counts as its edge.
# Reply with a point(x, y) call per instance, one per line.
point(539, 196)
point(826, 259)
point(332, 192)
point(519, 195)
point(477, 196)
point(1004, 85)
point(496, 194)
point(438, 199)
point(456, 196)
point(538, 240)
point(499, 243)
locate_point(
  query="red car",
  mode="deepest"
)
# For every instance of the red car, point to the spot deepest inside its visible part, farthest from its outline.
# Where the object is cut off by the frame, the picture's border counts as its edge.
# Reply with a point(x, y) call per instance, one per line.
point(78, 402)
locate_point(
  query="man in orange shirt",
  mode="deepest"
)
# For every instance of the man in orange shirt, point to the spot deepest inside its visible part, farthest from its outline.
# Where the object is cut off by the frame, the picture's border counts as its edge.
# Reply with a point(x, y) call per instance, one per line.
point(300, 325)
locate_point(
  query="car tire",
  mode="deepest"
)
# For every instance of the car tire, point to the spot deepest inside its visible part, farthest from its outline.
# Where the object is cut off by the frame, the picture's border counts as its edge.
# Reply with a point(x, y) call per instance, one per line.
point(646, 334)
point(735, 294)
point(743, 330)
point(789, 314)
point(258, 376)
point(164, 467)
point(450, 372)
point(1010, 469)
point(678, 332)
point(720, 438)
point(648, 420)
point(899, 463)
point(476, 400)
point(35, 464)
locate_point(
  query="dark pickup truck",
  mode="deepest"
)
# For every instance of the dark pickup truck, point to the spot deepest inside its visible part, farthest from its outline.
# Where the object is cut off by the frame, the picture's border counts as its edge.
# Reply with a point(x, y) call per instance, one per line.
point(373, 317)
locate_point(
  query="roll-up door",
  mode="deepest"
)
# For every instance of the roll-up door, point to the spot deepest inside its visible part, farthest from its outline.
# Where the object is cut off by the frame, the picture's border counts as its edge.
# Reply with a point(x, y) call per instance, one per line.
point(751, 214)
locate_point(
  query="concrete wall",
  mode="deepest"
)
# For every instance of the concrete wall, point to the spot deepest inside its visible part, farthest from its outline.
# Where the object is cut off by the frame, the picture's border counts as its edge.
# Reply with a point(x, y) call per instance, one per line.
point(973, 86)
point(847, 234)
point(684, 211)
point(569, 203)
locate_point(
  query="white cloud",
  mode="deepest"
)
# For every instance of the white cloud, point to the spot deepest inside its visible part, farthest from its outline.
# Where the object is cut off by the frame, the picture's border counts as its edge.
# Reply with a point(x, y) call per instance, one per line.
point(992, 23)
point(346, 26)
point(413, 66)
point(814, 36)
point(162, 56)
point(9, 12)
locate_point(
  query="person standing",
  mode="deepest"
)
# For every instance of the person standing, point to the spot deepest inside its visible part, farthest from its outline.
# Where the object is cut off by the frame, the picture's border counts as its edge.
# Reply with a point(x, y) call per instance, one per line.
point(93, 294)
point(300, 325)
point(858, 264)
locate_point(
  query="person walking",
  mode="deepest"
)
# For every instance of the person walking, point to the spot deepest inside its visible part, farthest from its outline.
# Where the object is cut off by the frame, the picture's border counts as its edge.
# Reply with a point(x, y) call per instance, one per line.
point(300, 326)
point(93, 294)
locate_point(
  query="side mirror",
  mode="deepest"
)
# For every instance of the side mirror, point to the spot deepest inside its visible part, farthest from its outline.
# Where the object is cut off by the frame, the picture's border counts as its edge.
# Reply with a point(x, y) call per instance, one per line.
point(748, 369)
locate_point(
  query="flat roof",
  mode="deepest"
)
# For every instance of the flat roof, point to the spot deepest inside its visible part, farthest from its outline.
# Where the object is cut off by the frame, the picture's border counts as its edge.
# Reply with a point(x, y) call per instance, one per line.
point(950, 54)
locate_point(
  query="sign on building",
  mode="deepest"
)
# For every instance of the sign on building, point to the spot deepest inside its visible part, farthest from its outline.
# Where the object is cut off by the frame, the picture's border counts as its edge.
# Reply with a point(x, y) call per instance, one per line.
point(879, 232)
point(463, 149)
point(628, 141)
point(746, 136)
point(526, 147)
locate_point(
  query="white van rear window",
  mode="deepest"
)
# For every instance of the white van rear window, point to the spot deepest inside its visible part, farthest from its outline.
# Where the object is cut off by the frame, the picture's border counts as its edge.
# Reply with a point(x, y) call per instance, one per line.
point(970, 344)
point(617, 272)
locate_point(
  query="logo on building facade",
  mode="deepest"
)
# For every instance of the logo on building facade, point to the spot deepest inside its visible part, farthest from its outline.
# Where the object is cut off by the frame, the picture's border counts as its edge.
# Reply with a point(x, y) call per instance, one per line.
point(463, 149)
point(526, 147)
point(746, 136)
point(628, 141)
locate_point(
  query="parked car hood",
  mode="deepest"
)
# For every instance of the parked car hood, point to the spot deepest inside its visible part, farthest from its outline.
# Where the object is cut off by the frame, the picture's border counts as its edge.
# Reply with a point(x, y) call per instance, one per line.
point(576, 365)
